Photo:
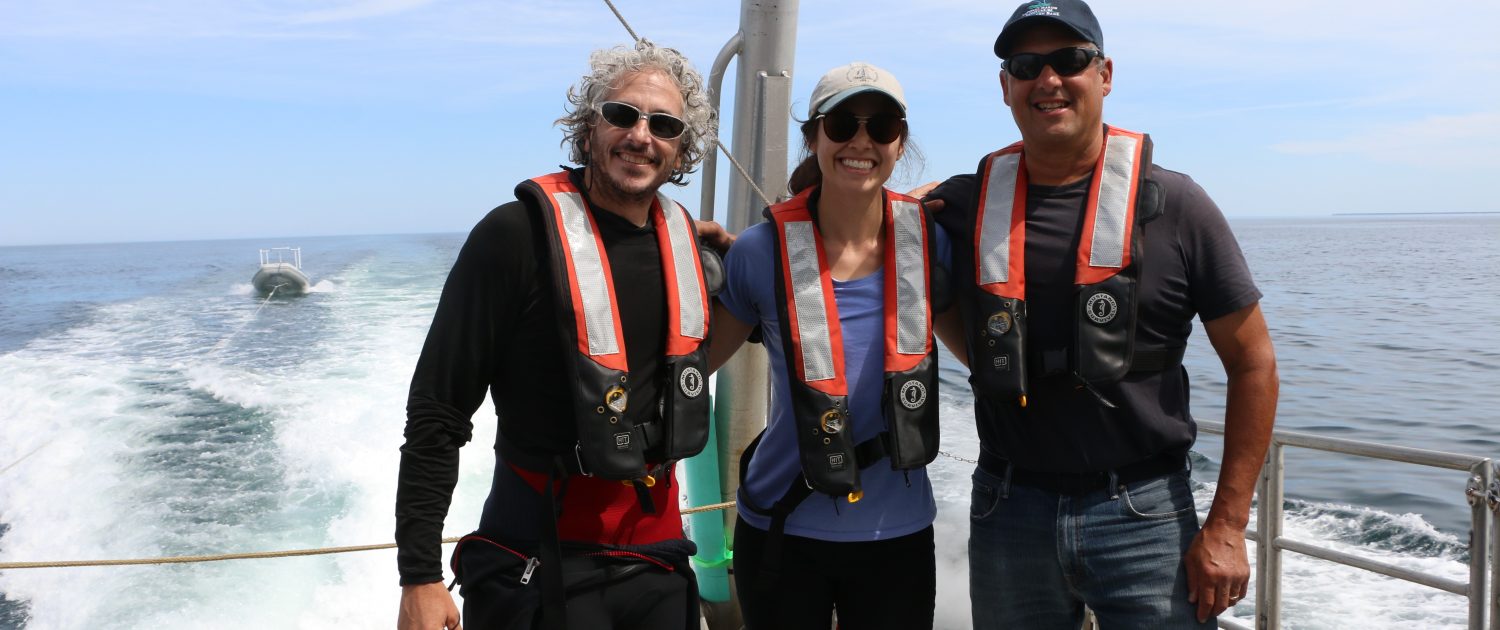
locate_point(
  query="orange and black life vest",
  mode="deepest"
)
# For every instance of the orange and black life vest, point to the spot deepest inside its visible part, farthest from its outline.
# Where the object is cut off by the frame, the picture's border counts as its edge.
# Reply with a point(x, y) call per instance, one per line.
point(812, 341)
point(609, 444)
point(1121, 199)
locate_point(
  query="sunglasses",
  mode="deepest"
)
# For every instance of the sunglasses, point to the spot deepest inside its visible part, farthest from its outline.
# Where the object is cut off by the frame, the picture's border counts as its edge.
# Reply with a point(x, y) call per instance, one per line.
point(664, 126)
point(1065, 61)
point(883, 128)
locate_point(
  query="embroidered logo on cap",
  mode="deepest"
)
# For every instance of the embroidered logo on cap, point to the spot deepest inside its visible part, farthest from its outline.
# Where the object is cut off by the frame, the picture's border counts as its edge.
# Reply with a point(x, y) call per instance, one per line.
point(1041, 8)
point(861, 73)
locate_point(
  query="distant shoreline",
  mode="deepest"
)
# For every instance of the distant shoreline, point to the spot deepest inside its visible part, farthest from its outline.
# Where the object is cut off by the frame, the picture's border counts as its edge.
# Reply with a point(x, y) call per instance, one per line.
point(1388, 214)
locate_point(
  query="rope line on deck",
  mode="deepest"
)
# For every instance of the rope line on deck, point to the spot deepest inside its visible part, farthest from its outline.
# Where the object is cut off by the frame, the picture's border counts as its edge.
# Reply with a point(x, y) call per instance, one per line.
point(254, 555)
point(289, 553)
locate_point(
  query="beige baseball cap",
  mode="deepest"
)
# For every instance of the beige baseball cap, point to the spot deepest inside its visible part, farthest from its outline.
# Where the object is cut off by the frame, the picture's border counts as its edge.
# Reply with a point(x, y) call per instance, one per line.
point(856, 78)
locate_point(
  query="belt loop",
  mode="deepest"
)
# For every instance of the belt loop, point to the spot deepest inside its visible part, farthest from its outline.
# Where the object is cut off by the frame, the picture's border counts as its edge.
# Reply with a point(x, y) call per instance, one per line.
point(1010, 470)
point(1114, 484)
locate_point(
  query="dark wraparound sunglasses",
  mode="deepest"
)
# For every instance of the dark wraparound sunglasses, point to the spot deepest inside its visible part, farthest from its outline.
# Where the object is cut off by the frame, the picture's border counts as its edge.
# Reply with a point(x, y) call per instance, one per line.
point(883, 128)
point(1065, 61)
point(664, 126)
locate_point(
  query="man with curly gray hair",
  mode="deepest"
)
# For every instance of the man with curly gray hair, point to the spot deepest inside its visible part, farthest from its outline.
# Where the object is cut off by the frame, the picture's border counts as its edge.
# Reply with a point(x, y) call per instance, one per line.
point(607, 67)
point(582, 308)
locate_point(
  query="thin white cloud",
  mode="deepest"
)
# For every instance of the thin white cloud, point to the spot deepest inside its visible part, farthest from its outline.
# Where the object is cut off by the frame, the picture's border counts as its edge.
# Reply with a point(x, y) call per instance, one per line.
point(1463, 141)
point(364, 9)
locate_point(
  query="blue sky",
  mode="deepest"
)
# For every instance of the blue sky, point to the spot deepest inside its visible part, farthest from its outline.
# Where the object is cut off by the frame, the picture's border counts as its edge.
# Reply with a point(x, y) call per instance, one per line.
point(136, 120)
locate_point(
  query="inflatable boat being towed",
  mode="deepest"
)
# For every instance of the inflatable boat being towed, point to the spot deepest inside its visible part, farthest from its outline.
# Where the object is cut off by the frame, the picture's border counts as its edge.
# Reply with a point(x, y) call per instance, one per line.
point(280, 272)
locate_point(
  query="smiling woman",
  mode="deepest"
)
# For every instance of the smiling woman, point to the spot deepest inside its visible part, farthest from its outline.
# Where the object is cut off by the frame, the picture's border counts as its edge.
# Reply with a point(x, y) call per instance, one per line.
point(835, 508)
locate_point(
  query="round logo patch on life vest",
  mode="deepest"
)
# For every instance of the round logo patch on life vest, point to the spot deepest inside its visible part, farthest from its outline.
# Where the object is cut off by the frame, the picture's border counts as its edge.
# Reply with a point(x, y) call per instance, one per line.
point(832, 421)
point(913, 394)
point(999, 323)
point(691, 382)
point(1101, 308)
point(616, 398)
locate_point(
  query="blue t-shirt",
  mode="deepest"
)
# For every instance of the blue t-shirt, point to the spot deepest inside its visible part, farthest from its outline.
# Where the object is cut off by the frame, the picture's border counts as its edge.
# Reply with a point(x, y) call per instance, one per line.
point(891, 506)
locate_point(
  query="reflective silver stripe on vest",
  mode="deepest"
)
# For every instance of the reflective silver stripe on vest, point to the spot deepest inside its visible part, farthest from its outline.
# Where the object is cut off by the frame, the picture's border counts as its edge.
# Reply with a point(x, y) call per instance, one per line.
point(593, 290)
point(911, 279)
point(689, 294)
point(801, 246)
point(1115, 182)
point(994, 241)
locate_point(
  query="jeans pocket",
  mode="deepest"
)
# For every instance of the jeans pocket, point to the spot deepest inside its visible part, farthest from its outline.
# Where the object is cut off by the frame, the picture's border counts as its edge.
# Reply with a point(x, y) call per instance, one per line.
point(983, 499)
point(1158, 498)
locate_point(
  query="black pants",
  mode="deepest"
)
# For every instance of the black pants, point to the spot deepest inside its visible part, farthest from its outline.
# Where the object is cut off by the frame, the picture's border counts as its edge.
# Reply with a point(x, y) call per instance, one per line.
point(879, 585)
point(602, 594)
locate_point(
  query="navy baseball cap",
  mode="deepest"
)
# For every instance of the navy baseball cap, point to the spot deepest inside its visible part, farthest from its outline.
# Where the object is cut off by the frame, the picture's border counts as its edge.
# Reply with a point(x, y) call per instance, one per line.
point(1075, 15)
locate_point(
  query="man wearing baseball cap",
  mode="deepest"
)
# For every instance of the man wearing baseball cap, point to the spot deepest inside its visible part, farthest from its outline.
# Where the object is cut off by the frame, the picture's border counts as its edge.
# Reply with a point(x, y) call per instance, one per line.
point(1081, 266)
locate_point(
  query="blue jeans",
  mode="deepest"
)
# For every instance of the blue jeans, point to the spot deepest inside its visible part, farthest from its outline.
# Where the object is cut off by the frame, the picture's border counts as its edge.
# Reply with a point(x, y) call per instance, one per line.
point(1037, 557)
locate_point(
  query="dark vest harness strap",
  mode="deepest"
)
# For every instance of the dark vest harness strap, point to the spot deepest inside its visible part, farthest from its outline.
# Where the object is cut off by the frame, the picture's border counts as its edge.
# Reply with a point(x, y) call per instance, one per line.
point(1106, 279)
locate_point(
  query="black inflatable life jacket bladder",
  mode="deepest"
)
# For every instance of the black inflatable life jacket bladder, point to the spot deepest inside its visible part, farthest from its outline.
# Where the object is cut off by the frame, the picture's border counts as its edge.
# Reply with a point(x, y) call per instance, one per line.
point(812, 341)
point(1121, 199)
point(609, 444)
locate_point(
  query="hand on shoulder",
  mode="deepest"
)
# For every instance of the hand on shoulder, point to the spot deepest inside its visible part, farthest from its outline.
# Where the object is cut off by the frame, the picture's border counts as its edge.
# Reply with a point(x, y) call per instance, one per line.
point(712, 234)
point(932, 205)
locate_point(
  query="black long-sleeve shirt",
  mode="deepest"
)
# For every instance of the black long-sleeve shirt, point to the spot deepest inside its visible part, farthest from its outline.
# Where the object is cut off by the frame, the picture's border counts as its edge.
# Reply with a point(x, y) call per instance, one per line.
point(496, 329)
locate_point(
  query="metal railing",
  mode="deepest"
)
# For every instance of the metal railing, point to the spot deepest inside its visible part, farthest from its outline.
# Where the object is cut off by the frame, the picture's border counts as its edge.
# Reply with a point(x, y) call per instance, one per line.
point(1482, 493)
point(280, 253)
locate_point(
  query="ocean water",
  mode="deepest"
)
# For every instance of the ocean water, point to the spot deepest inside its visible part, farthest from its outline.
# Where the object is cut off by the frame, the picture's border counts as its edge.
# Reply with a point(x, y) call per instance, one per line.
point(153, 405)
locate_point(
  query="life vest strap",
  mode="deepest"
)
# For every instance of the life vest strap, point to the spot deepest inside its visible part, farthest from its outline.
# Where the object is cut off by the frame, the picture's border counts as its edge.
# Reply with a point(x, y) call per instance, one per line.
point(1054, 361)
point(651, 434)
point(866, 453)
point(1156, 360)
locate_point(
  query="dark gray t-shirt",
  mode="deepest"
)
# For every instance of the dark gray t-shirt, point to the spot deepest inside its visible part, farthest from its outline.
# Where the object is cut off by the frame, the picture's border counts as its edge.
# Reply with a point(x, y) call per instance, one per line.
point(1192, 266)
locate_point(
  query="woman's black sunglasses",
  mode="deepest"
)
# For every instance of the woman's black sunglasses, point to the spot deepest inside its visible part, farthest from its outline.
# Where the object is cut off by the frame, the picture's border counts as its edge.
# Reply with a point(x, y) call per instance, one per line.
point(624, 116)
point(1065, 61)
point(883, 128)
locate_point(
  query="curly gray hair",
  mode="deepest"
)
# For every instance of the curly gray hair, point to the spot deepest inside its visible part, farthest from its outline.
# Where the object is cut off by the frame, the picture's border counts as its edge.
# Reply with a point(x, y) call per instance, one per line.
point(606, 67)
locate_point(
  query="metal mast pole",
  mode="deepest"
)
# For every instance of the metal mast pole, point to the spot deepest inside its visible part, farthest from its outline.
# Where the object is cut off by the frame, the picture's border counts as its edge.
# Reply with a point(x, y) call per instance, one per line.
point(762, 116)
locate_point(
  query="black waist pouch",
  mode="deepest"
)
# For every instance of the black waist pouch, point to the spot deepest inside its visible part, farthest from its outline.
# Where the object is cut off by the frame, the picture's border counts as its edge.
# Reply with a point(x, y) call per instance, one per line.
point(501, 583)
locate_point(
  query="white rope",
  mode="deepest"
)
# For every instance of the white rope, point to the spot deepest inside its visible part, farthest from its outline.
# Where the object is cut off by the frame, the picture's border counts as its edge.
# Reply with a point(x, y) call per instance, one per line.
point(622, 21)
point(254, 555)
point(220, 346)
point(743, 173)
point(23, 457)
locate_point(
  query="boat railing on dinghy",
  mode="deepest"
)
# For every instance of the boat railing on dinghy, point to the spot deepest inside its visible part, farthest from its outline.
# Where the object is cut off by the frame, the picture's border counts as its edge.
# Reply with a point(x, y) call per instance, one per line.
point(280, 254)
